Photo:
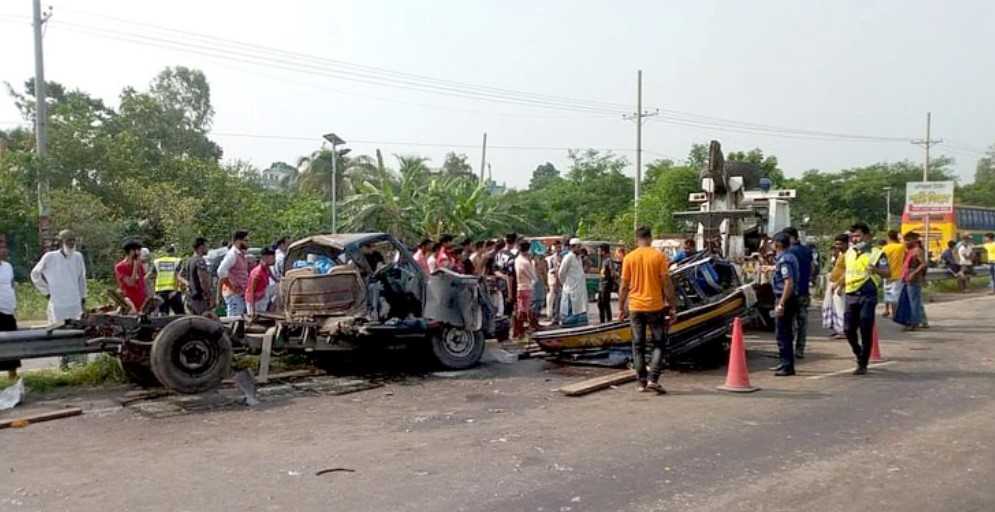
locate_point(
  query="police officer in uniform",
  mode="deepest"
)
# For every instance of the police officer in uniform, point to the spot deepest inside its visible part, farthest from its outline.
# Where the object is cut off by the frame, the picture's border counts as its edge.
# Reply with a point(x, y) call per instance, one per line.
point(164, 272)
point(786, 276)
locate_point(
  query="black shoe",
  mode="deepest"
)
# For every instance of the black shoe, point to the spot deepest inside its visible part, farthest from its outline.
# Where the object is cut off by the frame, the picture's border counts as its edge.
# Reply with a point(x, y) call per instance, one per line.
point(861, 370)
point(777, 368)
point(785, 372)
point(800, 354)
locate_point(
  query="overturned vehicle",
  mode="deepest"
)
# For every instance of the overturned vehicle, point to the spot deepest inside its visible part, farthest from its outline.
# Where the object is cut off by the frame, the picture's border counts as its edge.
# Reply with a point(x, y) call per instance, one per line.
point(709, 297)
point(340, 293)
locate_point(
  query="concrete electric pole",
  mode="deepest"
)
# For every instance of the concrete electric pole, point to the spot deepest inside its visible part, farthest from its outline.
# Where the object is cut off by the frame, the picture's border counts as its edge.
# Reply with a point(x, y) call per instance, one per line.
point(638, 117)
point(483, 159)
point(926, 143)
point(41, 126)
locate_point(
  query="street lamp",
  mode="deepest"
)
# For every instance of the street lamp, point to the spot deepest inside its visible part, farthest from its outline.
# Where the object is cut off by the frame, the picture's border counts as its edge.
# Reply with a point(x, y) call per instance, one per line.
point(335, 140)
point(887, 208)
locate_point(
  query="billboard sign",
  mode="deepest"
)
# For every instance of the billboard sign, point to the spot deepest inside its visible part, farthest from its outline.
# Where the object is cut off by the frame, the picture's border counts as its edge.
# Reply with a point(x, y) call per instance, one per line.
point(929, 197)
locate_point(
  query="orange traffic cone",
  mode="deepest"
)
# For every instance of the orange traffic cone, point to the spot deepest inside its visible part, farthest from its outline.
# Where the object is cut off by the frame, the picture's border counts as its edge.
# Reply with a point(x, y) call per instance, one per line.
point(875, 346)
point(738, 376)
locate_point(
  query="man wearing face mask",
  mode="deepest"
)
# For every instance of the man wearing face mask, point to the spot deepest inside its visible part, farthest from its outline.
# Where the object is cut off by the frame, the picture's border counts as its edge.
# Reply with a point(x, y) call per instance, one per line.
point(866, 267)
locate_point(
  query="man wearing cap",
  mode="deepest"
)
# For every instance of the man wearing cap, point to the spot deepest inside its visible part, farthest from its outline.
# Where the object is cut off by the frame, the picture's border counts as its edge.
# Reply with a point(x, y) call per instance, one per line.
point(786, 278)
point(573, 304)
point(164, 271)
point(61, 277)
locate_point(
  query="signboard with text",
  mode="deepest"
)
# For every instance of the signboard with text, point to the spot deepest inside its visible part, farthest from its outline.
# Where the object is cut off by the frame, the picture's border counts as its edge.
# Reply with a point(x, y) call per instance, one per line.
point(929, 197)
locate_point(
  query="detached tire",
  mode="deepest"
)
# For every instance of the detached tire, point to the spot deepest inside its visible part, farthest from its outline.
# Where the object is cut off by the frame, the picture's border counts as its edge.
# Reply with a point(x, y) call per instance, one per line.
point(458, 349)
point(192, 354)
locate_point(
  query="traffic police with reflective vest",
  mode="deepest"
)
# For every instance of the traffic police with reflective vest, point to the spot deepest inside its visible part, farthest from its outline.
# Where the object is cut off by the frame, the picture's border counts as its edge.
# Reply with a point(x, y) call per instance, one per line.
point(164, 272)
point(866, 267)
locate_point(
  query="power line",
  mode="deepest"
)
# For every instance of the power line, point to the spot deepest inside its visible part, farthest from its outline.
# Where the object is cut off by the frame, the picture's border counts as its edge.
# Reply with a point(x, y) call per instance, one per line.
point(419, 144)
point(300, 68)
point(348, 65)
point(378, 76)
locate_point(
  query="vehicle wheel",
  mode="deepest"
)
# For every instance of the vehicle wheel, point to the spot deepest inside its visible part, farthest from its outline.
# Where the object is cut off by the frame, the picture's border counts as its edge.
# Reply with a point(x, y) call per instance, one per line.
point(192, 354)
point(140, 374)
point(458, 349)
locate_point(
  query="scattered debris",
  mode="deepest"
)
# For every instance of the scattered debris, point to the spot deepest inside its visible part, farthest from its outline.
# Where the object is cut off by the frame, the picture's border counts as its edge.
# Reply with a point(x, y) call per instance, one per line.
point(246, 383)
point(501, 356)
point(133, 397)
point(37, 418)
point(334, 470)
point(11, 396)
point(598, 383)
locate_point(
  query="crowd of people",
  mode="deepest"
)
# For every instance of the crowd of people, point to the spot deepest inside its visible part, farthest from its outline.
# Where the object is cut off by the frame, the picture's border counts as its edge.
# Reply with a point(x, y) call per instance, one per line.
point(530, 280)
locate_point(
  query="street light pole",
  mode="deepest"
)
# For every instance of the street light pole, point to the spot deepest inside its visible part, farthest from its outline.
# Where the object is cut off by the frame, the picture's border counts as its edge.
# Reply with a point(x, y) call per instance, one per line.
point(887, 208)
point(335, 141)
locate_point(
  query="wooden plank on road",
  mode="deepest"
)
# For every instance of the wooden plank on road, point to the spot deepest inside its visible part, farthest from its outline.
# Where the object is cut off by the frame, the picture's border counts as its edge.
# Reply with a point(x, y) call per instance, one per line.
point(598, 383)
point(45, 416)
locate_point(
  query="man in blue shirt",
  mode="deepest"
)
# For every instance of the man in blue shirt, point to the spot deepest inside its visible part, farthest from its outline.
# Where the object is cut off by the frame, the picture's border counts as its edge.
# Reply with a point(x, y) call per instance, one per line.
point(805, 263)
point(786, 275)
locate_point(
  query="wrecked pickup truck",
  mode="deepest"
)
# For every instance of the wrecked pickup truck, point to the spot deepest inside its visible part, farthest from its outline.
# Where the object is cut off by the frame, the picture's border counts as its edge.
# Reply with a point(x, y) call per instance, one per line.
point(339, 293)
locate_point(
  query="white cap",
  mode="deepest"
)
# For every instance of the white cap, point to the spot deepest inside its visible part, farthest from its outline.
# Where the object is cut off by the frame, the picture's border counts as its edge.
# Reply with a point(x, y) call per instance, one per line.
point(144, 252)
point(575, 241)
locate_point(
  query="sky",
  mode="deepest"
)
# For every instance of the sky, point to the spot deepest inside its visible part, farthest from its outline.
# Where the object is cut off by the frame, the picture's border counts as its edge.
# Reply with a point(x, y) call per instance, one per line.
point(866, 69)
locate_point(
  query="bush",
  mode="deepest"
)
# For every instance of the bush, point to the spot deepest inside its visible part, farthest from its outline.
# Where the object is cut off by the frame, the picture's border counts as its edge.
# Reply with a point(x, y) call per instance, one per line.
point(102, 371)
point(32, 306)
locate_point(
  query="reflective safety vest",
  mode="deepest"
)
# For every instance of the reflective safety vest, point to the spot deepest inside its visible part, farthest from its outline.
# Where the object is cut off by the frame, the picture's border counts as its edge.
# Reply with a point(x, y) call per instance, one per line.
point(165, 273)
point(858, 269)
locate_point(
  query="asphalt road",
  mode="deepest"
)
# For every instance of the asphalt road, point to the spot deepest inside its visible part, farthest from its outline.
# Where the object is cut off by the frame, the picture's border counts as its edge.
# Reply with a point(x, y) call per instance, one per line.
point(915, 434)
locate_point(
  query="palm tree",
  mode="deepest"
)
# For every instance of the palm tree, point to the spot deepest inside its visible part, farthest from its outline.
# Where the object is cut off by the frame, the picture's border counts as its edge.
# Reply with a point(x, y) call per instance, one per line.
point(414, 203)
point(315, 172)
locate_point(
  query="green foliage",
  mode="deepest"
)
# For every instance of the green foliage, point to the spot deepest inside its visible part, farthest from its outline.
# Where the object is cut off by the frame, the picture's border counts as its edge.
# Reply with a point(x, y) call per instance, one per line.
point(32, 305)
point(834, 201)
point(104, 370)
point(457, 166)
point(768, 164)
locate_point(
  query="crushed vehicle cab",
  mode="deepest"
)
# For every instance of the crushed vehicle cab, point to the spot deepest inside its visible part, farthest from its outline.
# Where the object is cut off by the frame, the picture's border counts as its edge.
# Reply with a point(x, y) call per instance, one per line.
point(353, 291)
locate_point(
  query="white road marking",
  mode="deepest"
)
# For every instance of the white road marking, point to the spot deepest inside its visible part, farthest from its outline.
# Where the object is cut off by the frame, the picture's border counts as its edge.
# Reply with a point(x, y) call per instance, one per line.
point(841, 372)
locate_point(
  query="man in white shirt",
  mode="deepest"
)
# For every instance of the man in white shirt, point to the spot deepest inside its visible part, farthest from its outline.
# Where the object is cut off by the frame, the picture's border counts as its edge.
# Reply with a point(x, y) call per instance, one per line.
point(965, 254)
point(61, 277)
point(8, 304)
point(573, 305)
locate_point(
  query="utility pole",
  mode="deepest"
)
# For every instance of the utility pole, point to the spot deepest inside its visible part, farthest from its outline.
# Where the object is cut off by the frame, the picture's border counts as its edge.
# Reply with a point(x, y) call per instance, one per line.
point(926, 143)
point(483, 159)
point(639, 116)
point(41, 126)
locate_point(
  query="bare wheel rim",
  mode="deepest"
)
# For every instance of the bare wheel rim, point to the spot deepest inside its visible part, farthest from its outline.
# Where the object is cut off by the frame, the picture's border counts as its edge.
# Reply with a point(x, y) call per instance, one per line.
point(458, 343)
point(195, 356)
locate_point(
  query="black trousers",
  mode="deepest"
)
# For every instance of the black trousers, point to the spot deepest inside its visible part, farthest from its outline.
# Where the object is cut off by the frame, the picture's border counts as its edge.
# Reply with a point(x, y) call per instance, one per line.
point(784, 327)
point(604, 305)
point(859, 320)
point(656, 321)
point(8, 323)
point(171, 301)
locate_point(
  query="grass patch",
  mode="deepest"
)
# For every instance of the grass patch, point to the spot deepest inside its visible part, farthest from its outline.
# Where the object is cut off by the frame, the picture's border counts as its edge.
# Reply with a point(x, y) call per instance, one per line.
point(950, 285)
point(285, 363)
point(33, 307)
point(102, 371)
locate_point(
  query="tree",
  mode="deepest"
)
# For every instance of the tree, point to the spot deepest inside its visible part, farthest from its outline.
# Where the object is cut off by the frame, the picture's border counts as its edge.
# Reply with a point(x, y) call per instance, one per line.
point(543, 175)
point(984, 172)
point(767, 164)
point(456, 166)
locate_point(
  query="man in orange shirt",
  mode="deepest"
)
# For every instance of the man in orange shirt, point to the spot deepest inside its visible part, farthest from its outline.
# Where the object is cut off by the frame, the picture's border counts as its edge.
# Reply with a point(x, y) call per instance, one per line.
point(647, 297)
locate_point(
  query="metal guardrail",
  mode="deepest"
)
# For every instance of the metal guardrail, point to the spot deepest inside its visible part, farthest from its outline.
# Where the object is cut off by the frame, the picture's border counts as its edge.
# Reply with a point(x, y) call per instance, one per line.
point(35, 343)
